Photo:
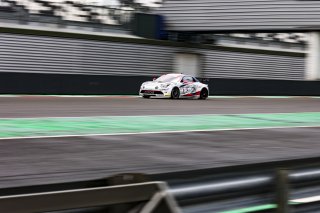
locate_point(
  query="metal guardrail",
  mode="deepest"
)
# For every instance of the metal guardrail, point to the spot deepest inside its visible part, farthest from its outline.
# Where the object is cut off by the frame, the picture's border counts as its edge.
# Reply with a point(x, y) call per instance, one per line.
point(284, 186)
point(151, 197)
point(280, 189)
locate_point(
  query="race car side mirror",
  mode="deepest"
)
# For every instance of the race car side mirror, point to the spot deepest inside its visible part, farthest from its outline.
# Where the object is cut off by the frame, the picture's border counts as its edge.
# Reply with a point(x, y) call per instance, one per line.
point(154, 79)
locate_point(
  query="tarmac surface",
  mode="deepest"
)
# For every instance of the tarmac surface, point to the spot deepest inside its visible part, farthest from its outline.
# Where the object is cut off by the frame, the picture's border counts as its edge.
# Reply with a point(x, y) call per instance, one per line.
point(54, 106)
point(51, 160)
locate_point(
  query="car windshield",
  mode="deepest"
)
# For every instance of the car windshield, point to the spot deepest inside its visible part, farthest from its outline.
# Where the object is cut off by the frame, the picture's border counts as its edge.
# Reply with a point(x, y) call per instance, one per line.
point(169, 78)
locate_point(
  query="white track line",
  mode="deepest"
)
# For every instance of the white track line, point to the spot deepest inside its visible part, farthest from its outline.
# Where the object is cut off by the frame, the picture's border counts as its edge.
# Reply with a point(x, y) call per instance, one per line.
point(159, 132)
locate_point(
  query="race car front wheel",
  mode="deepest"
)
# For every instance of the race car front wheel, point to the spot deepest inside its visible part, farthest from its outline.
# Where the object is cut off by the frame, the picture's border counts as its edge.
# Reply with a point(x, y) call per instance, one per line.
point(204, 94)
point(175, 93)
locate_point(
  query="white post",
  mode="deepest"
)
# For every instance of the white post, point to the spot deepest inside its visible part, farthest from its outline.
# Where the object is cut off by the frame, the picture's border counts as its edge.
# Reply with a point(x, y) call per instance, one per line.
point(313, 57)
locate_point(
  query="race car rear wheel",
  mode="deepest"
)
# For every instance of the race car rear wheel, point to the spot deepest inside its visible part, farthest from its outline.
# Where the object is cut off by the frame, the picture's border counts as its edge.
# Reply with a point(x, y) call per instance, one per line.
point(204, 94)
point(175, 93)
point(146, 96)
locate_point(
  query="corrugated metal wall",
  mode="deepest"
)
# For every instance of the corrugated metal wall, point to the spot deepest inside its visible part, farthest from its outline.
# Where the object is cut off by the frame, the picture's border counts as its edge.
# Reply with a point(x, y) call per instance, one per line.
point(35, 54)
point(213, 15)
point(39, 54)
point(250, 65)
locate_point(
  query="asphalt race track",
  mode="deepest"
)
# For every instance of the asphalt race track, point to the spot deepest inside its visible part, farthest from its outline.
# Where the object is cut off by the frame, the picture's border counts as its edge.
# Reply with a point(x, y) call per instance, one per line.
point(29, 161)
point(54, 106)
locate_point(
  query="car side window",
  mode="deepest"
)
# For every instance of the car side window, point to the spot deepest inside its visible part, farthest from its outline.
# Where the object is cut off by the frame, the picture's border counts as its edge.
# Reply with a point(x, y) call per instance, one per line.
point(187, 79)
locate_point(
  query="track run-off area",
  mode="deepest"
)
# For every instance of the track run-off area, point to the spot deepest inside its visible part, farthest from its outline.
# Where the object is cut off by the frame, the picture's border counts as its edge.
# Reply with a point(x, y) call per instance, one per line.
point(120, 125)
point(50, 139)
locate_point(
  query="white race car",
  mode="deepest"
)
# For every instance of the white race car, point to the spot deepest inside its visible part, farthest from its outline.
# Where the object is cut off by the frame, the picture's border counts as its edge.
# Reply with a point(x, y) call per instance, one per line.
point(174, 86)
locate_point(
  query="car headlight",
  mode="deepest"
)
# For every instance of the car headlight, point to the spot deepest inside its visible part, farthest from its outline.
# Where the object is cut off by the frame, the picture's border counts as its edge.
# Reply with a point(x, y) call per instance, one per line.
point(142, 86)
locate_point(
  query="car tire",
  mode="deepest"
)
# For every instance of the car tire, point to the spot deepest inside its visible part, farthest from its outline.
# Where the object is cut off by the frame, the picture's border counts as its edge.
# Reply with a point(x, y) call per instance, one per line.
point(204, 94)
point(146, 96)
point(175, 93)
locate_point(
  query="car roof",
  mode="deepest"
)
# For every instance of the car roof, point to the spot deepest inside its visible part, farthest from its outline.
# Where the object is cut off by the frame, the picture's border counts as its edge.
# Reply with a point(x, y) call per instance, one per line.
point(174, 74)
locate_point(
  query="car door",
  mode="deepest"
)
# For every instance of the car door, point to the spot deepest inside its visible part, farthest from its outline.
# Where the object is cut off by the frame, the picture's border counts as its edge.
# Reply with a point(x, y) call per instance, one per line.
point(187, 86)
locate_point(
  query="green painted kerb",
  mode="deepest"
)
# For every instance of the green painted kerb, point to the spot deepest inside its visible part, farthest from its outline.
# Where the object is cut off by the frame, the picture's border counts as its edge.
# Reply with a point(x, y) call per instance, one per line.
point(30, 127)
point(257, 208)
point(253, 209)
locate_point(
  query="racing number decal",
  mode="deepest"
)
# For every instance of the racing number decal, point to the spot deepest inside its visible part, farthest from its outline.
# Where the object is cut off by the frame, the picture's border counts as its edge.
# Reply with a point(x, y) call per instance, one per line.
point(187, 89)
